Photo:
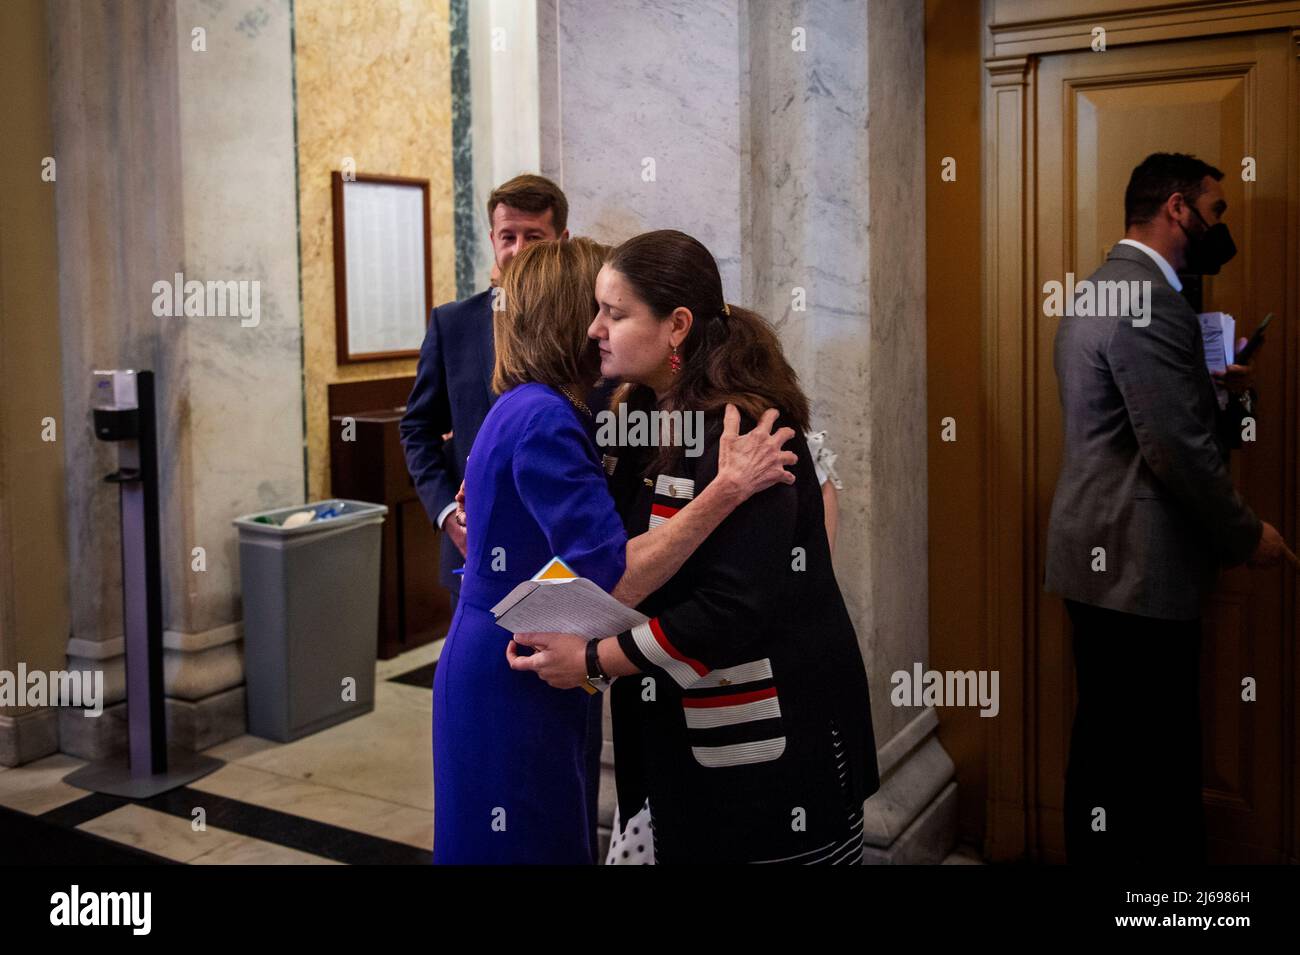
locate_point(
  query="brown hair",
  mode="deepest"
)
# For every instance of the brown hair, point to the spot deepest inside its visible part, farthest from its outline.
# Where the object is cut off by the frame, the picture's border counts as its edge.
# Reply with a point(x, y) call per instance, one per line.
point(541, 313)
point(731, 355)
point(531, 193)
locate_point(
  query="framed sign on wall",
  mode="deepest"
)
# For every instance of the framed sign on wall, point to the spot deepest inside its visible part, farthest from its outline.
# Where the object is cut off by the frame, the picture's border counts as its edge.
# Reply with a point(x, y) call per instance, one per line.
point(383, 288)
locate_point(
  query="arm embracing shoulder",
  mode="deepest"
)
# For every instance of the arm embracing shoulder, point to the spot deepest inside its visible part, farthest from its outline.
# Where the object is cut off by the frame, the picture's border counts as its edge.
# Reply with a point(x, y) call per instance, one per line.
point(741, 574)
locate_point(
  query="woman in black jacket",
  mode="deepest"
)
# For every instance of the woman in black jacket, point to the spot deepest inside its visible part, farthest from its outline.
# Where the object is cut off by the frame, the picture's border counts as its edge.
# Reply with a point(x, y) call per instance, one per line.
point(742, 718)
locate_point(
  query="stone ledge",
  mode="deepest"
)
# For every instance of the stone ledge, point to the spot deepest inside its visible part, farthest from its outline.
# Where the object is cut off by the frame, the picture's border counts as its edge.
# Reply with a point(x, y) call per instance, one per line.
point(194, 668)
point(191, 725)
point(96, 649)
point(905, 792)
point(909, 738)
point(28, 736)
point(198, 674)
point(928, 840)
point(205, 639)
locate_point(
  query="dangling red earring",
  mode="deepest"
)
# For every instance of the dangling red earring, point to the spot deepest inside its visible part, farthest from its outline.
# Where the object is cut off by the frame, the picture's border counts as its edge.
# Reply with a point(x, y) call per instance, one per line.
point(675, 361)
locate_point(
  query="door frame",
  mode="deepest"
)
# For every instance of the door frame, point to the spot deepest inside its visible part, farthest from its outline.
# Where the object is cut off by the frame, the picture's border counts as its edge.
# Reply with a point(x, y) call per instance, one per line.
point(1016, 34)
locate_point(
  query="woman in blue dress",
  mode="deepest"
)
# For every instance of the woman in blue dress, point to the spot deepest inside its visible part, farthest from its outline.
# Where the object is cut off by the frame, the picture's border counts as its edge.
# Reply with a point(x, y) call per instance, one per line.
point(510, 777)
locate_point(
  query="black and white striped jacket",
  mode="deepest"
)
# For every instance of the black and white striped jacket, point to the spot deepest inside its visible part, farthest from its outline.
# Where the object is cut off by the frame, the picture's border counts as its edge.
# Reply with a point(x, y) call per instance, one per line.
point(748, 659)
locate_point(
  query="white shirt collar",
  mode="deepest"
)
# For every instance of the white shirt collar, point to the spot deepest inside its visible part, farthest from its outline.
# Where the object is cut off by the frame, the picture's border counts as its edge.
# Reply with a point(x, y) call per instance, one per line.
point(1170, 275)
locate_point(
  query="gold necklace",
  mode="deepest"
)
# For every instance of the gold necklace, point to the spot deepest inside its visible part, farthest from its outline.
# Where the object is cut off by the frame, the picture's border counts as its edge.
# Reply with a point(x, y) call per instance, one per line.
point(580, 405)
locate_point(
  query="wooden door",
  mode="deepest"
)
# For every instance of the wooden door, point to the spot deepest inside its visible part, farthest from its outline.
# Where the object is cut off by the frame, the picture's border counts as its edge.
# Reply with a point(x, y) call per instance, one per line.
point(1096, 116)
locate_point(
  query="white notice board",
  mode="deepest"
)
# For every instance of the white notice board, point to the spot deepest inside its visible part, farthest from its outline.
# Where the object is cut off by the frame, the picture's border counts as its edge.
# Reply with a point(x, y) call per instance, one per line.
point(381, 266)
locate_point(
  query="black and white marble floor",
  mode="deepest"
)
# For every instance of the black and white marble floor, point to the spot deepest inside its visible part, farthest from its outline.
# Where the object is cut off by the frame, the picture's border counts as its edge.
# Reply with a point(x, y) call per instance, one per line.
point(359, 792)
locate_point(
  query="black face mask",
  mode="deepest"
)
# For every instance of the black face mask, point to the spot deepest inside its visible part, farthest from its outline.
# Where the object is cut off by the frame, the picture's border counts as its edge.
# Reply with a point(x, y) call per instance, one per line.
point(1208, 251)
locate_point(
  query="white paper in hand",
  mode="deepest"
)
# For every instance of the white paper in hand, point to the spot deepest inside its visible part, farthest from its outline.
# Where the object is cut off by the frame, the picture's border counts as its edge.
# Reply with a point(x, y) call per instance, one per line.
point(1219, 334)
point(576, 605)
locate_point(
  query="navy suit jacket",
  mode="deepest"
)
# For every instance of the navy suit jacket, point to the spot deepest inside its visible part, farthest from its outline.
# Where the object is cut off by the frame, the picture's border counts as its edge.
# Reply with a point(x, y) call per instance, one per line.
point(453, 392)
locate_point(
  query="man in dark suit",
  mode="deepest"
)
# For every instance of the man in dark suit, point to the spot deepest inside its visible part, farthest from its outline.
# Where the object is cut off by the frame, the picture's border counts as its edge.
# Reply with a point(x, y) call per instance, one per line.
point(1144, 515)
point(453, 382)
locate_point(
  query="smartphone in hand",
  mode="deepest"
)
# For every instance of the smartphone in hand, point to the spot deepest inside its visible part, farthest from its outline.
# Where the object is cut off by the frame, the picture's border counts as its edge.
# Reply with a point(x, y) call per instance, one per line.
point(1248, 350)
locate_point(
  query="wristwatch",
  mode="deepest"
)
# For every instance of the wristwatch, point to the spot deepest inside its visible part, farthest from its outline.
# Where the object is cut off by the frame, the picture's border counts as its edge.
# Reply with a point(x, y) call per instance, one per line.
point(595, 675)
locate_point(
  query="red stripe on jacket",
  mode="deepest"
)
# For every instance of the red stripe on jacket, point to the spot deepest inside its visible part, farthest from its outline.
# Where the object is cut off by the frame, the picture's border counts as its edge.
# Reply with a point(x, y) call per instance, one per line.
point(733, 699)
point(662, 639)
point(663, 510)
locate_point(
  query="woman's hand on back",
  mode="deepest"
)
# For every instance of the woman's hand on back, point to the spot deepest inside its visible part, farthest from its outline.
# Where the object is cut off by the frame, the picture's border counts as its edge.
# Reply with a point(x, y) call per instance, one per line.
point(754, 461)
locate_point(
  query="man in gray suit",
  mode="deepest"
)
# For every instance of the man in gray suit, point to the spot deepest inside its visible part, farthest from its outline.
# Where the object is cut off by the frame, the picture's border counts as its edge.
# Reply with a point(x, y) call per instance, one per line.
point(1144, 515)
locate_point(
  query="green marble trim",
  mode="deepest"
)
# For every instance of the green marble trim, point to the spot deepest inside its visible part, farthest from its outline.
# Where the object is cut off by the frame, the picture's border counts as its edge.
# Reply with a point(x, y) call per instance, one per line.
point(462, 151)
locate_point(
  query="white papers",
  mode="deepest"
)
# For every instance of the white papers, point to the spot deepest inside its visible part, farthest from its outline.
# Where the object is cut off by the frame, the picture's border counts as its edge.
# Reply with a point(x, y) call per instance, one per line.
point(1219, 329)
point(564, 606)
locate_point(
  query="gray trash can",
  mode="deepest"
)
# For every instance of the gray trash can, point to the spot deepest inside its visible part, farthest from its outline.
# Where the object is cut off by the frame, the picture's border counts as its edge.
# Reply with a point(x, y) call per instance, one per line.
point(311, 612)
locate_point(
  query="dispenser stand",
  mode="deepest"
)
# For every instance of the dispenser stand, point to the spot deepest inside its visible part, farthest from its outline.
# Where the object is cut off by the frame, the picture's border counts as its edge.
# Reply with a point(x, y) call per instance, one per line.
point(152, 766)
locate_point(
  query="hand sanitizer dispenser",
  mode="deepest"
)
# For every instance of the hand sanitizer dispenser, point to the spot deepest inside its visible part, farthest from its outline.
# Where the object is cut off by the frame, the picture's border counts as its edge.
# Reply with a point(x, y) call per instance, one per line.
point(123, 412)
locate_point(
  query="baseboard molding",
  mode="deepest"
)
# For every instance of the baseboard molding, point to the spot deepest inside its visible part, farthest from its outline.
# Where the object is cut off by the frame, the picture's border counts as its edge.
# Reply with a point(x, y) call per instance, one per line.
point(28, 736)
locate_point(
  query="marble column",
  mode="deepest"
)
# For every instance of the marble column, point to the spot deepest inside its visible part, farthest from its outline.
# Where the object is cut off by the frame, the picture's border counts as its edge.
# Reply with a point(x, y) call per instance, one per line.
point(788, 137)
point(496, 103)
point(174, 132)
point(641, 119)
point(835, 257)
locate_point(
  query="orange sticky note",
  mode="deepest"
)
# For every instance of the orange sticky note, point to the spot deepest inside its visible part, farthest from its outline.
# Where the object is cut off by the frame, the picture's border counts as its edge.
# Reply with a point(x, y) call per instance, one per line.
point(555, 569)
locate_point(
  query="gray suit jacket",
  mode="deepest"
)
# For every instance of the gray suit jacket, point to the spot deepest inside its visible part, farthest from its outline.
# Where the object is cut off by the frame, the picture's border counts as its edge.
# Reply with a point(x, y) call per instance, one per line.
point(1144, 475)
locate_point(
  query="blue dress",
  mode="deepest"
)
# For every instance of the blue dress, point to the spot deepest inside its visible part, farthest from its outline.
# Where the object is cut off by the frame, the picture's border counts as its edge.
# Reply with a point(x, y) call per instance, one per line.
point(509, 751)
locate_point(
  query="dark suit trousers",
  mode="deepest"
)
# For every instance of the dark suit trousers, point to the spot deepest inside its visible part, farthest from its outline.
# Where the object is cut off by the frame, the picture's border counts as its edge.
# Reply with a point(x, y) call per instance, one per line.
point(1135, 751)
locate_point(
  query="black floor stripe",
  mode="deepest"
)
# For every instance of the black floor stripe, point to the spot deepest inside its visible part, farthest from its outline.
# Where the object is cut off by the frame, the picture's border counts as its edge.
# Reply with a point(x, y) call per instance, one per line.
point(34, 840)
point(257, 822)
point(420, 676)
point(86, 808)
